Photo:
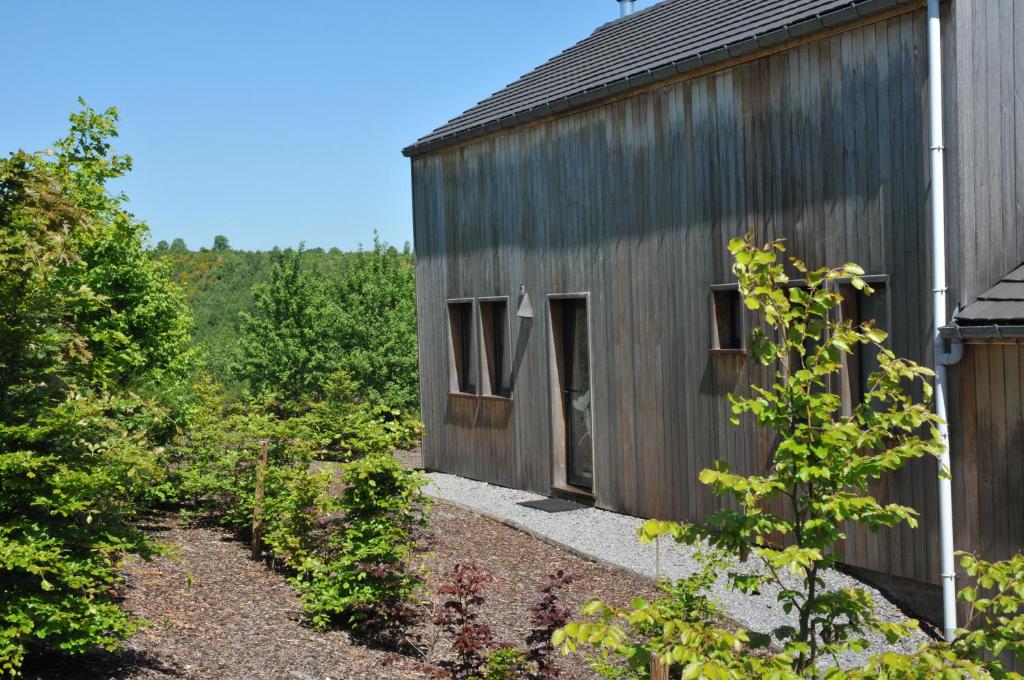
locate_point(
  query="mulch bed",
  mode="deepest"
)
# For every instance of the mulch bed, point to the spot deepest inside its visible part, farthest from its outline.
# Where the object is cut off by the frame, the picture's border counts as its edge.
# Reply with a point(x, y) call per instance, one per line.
point(214, 613)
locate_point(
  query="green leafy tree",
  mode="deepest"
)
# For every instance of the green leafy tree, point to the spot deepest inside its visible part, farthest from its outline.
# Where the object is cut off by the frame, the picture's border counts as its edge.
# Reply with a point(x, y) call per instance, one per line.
point(220, 243)
point(162, 246)
point(376, 326)
point(792, 518)
point(80, 306)
point(178, 246)
point(825, 458)
point(287, 346)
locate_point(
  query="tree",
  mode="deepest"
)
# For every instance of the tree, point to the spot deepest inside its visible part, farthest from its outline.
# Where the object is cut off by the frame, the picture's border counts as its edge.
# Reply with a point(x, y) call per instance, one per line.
point(825, 458)
point(178, 246)
point(86, 314)
point(377, 325)
point(162, 246)
point(792, 517)
point(140, 337)
point(220, 243)
point(286, 346)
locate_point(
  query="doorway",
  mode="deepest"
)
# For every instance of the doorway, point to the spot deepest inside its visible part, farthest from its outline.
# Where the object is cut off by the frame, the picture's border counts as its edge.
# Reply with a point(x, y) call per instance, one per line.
point(570, 333)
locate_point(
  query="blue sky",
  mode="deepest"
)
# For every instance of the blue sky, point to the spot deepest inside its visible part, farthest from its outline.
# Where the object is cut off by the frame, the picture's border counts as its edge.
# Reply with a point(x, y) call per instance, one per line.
point(271, 122)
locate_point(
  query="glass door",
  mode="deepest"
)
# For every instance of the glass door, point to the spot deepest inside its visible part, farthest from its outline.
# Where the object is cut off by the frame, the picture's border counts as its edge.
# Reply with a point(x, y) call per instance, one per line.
point(576, 399)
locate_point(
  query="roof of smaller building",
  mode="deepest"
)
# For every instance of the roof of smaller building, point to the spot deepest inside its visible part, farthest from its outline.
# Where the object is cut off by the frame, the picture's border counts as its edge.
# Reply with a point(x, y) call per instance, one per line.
point(656, 43)
point(1001, 304)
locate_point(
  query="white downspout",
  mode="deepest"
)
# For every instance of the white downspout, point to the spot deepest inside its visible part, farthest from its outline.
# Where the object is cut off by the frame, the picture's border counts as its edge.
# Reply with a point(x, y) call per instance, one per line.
point(939, 316)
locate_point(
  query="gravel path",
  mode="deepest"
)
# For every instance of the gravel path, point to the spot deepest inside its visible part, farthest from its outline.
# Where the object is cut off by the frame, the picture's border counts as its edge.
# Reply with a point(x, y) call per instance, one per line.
point(610, 538)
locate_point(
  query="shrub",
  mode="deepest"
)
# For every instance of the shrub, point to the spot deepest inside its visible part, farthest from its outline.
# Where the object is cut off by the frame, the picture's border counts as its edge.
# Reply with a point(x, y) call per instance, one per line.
point(994, 630)
point(681, 628)
point(459, 617)
point(503, 663)
point(345, 426)
point(546, 617)
point(84, 317)
point(216, 461)
point(358, 572)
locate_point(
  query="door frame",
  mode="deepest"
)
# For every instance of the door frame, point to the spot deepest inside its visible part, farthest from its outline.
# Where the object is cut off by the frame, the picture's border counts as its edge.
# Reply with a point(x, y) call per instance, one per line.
point(559, 451)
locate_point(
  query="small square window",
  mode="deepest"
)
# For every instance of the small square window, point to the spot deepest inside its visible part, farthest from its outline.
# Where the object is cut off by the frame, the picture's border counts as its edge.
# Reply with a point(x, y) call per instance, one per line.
point(727, 318)
point(494, 324)
point(462, 364)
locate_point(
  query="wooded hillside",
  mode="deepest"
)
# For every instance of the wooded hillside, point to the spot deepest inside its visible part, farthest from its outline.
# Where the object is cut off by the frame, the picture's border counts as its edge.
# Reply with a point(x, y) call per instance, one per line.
point(219, 283)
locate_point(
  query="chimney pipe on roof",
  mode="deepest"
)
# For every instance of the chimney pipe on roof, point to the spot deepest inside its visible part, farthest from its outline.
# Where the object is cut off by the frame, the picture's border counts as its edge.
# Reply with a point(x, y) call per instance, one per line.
point(625, 8)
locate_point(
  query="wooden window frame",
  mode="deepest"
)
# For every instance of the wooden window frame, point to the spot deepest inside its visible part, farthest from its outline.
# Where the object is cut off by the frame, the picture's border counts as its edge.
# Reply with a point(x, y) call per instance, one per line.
point(486, 387)
point(718, 293)
point(472, 364)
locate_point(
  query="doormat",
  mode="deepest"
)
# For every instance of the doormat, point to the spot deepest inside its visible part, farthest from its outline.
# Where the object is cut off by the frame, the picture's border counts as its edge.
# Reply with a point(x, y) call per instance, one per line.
point(553, 505)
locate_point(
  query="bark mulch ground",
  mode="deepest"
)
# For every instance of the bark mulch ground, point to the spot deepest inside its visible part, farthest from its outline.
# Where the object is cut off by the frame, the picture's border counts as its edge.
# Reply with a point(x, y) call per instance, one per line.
point(214, 613)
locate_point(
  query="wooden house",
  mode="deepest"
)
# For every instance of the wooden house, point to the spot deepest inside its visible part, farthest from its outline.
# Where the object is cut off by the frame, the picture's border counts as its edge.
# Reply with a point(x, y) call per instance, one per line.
point(579, 327)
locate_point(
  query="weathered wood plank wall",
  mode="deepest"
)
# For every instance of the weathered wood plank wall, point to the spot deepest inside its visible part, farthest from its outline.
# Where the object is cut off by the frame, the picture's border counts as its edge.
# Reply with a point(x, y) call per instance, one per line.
point(988, 473)
point(634, 202)
point(988, 468)
point(986, 143)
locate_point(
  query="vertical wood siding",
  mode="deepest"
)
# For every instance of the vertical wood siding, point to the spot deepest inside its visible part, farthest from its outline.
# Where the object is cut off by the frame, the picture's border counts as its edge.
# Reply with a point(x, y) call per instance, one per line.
point(987, 143)
point(634, 202)
point(988, 465)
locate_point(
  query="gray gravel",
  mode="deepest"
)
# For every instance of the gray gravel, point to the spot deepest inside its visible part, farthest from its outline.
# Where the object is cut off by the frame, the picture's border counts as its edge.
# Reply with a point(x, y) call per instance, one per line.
point(611, 538)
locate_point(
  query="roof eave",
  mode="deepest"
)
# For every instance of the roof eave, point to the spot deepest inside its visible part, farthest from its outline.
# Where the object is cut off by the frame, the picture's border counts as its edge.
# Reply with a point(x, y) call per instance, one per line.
point(993, 331)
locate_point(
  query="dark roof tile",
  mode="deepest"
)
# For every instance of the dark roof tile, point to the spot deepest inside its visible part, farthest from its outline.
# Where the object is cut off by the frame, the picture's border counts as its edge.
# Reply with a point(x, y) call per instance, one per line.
point(670, 37)
point(1002, 304)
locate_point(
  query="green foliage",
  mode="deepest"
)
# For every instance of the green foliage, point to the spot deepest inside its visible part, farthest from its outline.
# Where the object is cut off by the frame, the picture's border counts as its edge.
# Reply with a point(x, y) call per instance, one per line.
point(220, 243)
point(376, 325)
point(995, 623)
point(219, 283)
point(86, 316)
point(358, 574)
point(216, 462)
point(792, 518)
point(681, 628)
point(349, 552)
point(359, 306)
point(344, 426)
point(825, 458)
point(994, 630)
point(504, 663)
point(287, 347)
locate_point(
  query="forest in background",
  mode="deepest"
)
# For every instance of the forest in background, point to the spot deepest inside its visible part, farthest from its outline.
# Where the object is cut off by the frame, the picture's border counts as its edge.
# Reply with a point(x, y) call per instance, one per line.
point(218, 282)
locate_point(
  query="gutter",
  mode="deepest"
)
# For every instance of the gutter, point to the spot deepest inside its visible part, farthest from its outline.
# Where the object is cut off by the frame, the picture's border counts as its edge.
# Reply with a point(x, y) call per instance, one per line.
point(989, 332)
point(859, 9)
point(938, 226)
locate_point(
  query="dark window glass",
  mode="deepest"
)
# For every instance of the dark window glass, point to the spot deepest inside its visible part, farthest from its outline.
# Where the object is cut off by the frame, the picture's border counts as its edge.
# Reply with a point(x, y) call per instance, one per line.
point(494, 320)
point(728, 319)
point(575, 362)
point(460, 321)
point(858, 307)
